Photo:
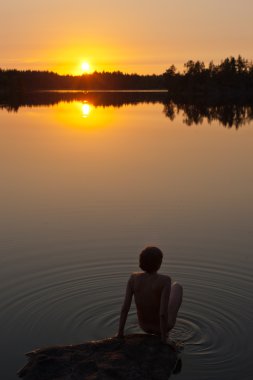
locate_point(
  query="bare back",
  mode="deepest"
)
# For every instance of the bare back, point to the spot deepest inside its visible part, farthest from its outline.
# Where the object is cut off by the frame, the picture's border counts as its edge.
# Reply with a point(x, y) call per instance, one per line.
point(147, 289)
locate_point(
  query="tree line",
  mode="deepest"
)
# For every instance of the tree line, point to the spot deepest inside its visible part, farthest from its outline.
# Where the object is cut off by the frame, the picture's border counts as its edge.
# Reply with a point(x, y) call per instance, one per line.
point(232, 76)
point(44, 80)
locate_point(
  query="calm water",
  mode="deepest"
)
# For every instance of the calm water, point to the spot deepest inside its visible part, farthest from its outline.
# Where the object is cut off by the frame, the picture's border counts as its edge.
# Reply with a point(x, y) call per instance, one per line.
point(85, 186)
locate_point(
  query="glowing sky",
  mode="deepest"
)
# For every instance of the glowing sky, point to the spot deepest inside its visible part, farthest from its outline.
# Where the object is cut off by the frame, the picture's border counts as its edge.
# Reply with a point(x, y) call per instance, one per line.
point(132, 36)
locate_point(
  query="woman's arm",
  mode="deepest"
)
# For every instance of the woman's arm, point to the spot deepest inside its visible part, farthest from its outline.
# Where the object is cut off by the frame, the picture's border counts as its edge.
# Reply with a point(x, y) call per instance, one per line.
point(125, 308)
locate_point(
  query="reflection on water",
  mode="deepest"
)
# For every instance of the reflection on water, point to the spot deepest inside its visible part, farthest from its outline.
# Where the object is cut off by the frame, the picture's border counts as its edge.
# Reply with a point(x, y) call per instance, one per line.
point(226, 113)
point(85, 184)
point(86, 109)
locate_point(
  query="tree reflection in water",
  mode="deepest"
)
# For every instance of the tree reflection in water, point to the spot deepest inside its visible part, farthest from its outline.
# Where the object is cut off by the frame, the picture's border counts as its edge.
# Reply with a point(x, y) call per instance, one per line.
point(229, 113)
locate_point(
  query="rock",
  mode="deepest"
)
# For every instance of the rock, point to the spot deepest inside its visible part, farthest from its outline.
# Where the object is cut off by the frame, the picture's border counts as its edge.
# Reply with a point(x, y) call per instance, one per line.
point(135, 357)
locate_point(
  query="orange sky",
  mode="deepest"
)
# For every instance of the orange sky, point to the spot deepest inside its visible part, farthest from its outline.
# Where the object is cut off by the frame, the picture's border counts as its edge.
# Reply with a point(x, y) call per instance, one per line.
point(131, 36)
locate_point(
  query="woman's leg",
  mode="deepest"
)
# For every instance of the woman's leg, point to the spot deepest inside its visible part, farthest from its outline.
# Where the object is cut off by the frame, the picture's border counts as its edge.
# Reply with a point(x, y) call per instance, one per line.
point(176, 297)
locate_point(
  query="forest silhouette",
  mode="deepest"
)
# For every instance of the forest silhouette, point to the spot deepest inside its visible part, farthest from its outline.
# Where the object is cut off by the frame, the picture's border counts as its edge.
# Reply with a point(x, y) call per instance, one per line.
point(222, 92)
point(232, 77)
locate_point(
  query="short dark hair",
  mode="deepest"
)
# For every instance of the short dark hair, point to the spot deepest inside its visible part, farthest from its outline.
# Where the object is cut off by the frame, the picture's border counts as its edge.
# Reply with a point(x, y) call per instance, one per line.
point(150, 259)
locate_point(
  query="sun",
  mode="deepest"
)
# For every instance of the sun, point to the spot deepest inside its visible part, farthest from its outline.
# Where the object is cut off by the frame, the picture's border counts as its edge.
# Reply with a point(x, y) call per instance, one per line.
point(86, 67)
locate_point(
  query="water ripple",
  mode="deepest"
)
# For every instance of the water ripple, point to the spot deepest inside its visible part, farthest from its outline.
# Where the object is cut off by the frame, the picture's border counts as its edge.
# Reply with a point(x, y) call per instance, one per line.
point(86, 296)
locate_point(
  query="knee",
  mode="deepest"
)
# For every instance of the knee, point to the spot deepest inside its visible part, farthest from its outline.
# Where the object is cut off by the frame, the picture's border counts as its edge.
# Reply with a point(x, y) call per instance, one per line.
point(178, 288)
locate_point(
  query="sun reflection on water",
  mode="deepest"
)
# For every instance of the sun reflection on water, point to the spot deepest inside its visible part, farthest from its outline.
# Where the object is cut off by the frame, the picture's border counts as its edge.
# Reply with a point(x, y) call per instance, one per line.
point(86, 109)
point(83, 114)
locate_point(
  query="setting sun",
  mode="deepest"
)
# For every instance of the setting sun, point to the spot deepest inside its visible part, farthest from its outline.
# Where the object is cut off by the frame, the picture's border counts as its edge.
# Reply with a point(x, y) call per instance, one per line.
point(86, 67)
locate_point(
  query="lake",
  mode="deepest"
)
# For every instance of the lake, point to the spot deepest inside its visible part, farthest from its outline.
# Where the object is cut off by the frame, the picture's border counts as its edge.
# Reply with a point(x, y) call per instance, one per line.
point(87, 181)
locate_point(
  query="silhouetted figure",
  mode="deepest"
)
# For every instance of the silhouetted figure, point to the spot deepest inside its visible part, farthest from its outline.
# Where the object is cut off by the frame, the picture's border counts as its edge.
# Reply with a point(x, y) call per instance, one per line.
point(157, 301)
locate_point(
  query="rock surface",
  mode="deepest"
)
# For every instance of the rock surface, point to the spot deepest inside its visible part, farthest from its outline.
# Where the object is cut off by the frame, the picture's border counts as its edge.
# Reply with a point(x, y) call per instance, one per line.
point(135, 357)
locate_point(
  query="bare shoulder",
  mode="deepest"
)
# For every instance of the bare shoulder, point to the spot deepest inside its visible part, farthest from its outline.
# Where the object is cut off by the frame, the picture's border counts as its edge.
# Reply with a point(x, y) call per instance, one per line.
point(133, 277)
point(135, 280)
point(164, 279)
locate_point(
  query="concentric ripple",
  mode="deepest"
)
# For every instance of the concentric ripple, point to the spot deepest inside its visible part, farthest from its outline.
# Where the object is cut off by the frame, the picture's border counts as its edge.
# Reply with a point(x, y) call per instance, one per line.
point(215, 322)
point(82, 301)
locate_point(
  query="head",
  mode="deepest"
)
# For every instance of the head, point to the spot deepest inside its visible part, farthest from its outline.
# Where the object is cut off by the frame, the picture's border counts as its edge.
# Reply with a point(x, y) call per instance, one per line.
point(150, 259)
